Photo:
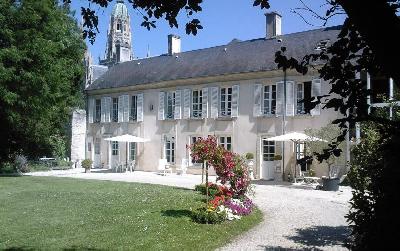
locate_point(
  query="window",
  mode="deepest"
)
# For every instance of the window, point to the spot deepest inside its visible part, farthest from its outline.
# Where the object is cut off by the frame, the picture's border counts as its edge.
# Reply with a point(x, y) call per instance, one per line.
point(226, 101)
point(114, 147)
point(380, 89)
point(170, 149)
point(226, 142)
point(269, 99)
point(268, 150)
point(89, 147)
point(98, 111)
point(132, 147)
point(115, 110)
point(303, 100)
point(300, 154)
point(133, 110)
point(97, 146)
point(169, 105)
point(197, 103)
point(119, 26)
point(193, 140)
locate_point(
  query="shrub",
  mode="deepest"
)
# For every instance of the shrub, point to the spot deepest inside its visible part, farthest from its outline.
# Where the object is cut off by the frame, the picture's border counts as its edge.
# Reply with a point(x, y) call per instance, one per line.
point(278, 157)
point(249, 156)
point(208, 216)
point(87, 164)
point(7, 168)
point(21, 164)
point(240, 207)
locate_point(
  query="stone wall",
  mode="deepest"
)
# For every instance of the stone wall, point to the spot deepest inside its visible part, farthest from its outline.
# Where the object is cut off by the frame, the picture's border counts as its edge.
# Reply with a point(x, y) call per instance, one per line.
point(78, 138)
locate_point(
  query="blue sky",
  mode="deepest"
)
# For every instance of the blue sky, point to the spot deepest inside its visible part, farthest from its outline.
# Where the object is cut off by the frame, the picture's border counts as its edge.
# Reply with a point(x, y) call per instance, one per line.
point(222, 20)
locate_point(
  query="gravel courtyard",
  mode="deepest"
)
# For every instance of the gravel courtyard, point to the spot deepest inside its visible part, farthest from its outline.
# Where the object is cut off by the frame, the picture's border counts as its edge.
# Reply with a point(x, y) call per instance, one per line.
point(295, 217)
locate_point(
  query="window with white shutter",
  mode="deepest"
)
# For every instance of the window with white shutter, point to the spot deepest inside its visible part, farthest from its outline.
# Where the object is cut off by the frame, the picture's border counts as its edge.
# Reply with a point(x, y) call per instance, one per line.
point(214, 102)
point(115, 103)
point(133, 108)
point(125, 108)
point(289, 98)
point(225, 97)
point(257, 100)
point(316, 91)
point(139, 107)
point(161, 101)
point(186, 103)
point(269, 100)
point(197, 103)
point(108, 109)
point(279, 98)
point(204, 112)
point(235, 101)
point(120, 109)
point(97, 114)
point(103, 109)
point(177, 104)
point(91, 110)
point(303, 98)
point(169, 105)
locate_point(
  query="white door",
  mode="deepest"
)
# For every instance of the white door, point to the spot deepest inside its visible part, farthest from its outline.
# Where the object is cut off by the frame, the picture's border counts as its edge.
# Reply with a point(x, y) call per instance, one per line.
point(97, 156)
point(267, 159)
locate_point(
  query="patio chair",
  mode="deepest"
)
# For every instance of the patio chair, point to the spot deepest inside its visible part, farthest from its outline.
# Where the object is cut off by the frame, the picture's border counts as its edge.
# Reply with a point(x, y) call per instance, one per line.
point(183, 167)
point(131, 165)
point(163, 167)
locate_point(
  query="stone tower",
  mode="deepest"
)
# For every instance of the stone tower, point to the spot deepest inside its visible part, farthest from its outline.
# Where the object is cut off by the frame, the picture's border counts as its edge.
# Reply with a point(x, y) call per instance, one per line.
point(119, 37)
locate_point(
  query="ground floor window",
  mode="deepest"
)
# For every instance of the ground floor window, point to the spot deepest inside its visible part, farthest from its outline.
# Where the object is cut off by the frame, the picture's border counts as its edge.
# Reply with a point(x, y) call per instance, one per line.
point(89, 147)
point(193, 140)
point(300, 154)
point(268, 150)
point(169, 148)
point(225, 142)
point(114, 147)
point(97, 146)
point(132, 147)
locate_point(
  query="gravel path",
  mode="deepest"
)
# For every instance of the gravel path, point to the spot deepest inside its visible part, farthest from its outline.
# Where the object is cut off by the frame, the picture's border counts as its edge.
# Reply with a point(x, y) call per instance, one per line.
point(295, 217)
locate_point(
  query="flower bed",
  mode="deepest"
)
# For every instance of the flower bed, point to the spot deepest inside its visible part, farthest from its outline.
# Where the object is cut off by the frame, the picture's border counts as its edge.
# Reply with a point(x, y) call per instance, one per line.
point(229, 199)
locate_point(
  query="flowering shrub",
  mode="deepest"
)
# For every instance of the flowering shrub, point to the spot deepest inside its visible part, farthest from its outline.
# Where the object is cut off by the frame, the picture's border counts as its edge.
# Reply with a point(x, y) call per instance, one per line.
point(229, 167)
point(229, 214)
point(240, 207)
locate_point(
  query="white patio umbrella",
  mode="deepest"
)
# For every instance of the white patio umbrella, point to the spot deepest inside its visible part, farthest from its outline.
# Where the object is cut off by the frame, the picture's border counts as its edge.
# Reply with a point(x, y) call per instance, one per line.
point(127, 138)
point(295, 137)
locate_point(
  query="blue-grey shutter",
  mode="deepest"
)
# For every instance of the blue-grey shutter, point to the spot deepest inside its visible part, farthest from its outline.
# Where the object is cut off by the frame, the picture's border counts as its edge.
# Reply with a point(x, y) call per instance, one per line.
point(316, 91)
point(214, 102)
point(257, 100)
point(126, 108)
point(108, 109)
point(91, 110)
point(121, 109)
point(139, 107)
point(161, 106)
point(289, 98)
point(204, 110)
point(103, 109)
point(177, 110)
point(235, 101)
point(279, 98)
point(186, 103)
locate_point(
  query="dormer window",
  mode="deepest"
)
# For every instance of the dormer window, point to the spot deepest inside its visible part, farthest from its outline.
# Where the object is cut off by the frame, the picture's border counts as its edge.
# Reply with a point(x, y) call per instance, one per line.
point(119, 26)
point(322, 45)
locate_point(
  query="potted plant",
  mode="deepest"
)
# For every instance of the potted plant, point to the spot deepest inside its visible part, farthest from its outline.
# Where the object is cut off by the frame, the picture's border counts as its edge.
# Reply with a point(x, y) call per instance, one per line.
point(250, 164)
point(87, 164)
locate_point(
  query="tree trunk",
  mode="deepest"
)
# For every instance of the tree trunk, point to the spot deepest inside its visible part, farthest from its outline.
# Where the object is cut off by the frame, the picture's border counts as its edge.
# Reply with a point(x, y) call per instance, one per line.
point(206, 164)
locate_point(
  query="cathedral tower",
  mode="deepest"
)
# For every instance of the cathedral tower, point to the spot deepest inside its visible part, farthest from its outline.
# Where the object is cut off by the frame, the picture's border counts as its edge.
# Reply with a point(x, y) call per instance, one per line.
point(119, 37)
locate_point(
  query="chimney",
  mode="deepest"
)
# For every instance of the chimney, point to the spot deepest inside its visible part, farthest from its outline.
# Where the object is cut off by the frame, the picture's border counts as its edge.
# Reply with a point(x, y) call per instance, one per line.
point(274, 24)
point(174, 44)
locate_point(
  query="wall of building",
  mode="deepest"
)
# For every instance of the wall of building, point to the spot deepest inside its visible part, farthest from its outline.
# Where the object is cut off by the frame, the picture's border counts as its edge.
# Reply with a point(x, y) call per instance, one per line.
point(246, 130)
point(78, 138)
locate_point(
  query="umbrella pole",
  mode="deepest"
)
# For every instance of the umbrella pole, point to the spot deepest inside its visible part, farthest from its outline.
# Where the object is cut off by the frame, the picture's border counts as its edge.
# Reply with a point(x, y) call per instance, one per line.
point(126, 163)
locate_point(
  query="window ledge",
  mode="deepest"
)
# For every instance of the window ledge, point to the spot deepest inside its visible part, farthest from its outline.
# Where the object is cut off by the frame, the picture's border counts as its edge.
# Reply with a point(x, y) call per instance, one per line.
point(195, 118)
point(225, 118)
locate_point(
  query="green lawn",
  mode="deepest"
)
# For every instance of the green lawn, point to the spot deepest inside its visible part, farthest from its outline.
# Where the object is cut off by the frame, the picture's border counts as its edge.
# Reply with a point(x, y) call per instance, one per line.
point(64, 213)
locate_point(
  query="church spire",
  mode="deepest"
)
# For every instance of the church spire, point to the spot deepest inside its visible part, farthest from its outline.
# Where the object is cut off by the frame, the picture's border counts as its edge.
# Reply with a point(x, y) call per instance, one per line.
point(119, 37)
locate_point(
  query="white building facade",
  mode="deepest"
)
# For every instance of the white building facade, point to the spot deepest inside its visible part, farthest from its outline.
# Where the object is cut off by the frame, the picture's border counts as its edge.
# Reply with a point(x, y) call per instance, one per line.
point(233, 92)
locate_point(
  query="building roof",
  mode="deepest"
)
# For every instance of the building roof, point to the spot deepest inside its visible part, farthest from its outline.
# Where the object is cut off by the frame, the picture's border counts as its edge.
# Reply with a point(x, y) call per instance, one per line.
point(235, 57)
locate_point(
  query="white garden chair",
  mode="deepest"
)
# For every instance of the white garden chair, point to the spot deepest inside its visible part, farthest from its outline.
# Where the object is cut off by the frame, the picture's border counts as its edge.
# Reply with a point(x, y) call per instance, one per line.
point(163, 167)
point(183, 167)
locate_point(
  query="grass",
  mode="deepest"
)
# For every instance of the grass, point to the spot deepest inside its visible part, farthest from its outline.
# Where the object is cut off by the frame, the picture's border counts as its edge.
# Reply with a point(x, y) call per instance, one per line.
point(65, 213)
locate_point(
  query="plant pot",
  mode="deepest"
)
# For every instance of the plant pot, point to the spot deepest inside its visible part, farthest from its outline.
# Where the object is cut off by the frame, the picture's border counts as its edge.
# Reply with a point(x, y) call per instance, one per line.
point(87, 170)
point(330, 184)
point(250, 164)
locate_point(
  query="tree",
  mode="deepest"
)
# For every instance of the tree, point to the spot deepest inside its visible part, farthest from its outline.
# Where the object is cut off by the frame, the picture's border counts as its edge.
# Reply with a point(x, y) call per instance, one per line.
point(41, 68)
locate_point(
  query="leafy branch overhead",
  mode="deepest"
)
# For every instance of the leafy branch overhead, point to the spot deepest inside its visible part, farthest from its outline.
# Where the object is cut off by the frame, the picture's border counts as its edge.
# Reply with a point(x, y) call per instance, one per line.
point(151, 11)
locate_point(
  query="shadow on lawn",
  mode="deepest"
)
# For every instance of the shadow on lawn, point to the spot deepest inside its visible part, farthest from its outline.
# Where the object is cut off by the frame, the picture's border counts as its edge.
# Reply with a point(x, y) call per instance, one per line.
point(176, 213)
point(321, 236)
